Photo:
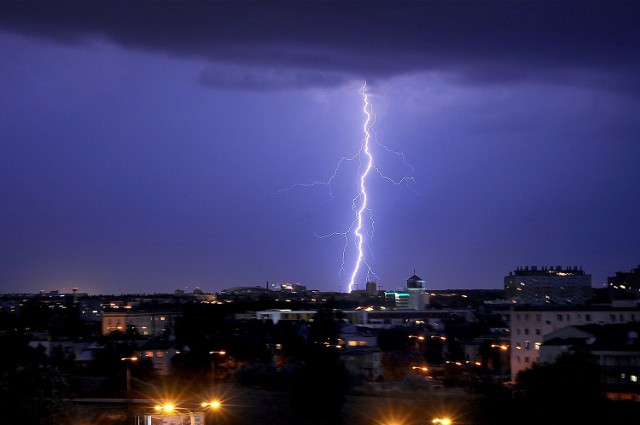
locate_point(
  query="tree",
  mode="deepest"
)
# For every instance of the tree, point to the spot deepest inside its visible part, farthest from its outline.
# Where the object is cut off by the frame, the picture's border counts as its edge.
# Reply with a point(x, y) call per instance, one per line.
point(570, 387)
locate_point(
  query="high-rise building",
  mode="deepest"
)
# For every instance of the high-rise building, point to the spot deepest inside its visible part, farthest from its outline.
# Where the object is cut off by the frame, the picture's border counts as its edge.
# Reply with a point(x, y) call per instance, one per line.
point(548, 285)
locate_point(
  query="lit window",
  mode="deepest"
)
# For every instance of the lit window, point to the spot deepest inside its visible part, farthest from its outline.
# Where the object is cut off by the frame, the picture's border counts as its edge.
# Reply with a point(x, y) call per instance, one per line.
point(148, 353)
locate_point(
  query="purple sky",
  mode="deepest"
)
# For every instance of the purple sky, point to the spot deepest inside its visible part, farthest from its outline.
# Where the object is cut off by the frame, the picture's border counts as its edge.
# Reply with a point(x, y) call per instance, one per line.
point(145, 146)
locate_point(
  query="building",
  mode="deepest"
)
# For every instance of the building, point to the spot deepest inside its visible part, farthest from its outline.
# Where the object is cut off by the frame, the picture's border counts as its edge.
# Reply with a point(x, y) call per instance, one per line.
point(435, 318)
point(284, 314)
point(413, 297)
point(615, 347)
point(548, 285)
point(160, 354)
point(625, 283)
point(530, 324)
point(143, 324)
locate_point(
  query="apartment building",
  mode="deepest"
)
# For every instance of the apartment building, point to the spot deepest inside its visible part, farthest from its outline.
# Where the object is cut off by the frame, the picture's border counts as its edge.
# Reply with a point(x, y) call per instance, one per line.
point(530, 324)
point(142, 323)
point(548, 285)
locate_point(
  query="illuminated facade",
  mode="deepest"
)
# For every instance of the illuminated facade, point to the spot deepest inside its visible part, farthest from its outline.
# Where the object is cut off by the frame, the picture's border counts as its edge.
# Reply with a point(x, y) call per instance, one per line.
point(160, 354)
point(548, 285)
point(144, 324)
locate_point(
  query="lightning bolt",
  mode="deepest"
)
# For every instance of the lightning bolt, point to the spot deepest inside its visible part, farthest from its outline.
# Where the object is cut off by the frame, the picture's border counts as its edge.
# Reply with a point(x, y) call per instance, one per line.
point(359, 203)
point(363, 224)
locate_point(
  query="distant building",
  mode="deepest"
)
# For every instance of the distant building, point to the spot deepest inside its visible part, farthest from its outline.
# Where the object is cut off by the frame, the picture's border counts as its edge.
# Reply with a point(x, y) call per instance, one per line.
point(548, 285)
point(418, 296)
point(625, 282)
point(144, 324)
point(284, 314)
point(91, 309)
point(160, 354)
point(435, 318)
point(413, 297)
point(371, 288)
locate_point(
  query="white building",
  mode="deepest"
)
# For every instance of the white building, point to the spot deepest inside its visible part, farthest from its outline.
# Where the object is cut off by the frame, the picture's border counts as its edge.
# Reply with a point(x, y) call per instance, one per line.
point(530, 324)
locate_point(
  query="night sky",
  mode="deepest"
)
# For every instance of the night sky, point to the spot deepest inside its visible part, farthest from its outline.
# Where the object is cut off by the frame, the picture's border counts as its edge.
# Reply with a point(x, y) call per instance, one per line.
point(146, 147)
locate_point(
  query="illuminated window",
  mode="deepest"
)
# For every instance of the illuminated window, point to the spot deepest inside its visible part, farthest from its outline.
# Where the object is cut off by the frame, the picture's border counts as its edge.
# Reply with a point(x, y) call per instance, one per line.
point(537, 345)
point(148, 353)
point(160, 354)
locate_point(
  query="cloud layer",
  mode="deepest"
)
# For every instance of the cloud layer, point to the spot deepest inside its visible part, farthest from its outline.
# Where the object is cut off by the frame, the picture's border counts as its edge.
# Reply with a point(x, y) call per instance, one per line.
point(327, 43)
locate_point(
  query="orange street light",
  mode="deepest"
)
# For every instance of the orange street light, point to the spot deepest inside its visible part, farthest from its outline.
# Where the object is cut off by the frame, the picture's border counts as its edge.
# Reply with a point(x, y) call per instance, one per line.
point(213, 404)
point(169, 409)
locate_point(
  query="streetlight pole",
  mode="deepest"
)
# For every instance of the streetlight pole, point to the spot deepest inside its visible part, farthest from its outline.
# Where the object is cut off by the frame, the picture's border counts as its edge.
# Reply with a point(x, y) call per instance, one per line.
point(214, 356)
point(127, 361)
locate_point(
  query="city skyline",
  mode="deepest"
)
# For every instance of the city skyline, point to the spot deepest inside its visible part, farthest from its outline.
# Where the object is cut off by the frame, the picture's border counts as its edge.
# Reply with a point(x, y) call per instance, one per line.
point(154, 146)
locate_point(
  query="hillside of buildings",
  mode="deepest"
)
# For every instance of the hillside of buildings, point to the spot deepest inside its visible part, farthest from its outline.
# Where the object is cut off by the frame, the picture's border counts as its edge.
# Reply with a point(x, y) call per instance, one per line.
point(342, 356)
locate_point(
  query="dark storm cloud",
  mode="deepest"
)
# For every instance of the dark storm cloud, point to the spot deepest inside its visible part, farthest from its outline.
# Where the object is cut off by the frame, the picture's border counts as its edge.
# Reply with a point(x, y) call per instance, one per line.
point(478, 41)
point(243, 77)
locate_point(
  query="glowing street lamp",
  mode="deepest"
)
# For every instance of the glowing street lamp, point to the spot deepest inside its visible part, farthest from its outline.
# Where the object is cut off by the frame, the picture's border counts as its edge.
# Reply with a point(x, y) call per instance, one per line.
point(171, 409)
point(213, 404)
point(441, 421)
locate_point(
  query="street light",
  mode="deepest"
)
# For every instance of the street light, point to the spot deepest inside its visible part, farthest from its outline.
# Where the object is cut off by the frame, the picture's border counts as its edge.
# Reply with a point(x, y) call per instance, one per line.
point(213, 404)
point(214, 355)
point(169, 409)
point(211, 408)
point(127, 361)
point(441, 421)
